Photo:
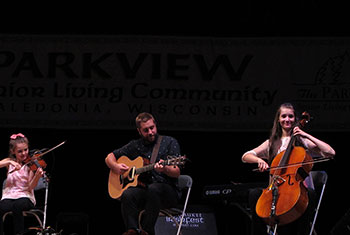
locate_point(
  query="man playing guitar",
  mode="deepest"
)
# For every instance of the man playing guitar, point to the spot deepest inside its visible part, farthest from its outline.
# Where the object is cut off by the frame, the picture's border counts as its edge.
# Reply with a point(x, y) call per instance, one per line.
point(156, 188)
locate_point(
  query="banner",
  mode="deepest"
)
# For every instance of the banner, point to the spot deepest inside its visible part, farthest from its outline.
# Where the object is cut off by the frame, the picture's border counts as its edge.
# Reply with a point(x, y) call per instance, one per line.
point(207, 84)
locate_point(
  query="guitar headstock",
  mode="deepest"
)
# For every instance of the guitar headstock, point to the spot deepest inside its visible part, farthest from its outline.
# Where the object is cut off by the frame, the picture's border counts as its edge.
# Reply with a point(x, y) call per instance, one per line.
point(176, 160)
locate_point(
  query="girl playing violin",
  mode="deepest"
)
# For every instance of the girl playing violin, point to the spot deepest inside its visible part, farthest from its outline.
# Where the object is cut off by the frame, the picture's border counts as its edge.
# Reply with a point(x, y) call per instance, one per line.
point(18, 192)
point(284, 127)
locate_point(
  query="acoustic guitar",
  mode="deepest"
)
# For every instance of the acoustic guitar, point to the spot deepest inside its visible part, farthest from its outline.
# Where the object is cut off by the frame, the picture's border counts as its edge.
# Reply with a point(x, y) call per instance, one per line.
point(117, 184)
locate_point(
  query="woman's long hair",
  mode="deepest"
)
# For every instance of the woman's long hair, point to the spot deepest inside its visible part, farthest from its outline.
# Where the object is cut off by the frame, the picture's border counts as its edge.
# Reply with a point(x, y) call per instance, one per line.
point(276, 132)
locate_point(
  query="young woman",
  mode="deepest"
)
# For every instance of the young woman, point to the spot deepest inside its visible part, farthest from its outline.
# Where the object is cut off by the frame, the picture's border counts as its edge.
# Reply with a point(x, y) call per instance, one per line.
point(284, 127)
point(18, 192)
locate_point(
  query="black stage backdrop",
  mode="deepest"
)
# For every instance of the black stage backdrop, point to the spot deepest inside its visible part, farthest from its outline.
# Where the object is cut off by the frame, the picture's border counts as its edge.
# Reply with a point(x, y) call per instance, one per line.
point(77, 169)
point(79, 175)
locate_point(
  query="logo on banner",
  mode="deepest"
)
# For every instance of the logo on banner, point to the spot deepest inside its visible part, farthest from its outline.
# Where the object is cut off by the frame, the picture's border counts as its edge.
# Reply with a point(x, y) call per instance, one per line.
point(192, 220)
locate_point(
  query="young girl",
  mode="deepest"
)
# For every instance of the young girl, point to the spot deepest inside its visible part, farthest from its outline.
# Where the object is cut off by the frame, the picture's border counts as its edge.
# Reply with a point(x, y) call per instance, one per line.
point(284, 127)
point(18, 192)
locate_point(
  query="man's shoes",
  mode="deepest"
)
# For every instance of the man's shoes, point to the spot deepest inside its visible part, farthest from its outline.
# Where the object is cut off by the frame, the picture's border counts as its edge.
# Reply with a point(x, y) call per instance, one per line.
point(131, 232)
point(134, 232)
point(143, 232)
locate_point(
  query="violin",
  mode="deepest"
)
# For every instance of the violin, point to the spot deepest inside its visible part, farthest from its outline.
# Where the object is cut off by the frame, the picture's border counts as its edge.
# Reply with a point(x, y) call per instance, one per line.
point(35, 161)
point(286, 198)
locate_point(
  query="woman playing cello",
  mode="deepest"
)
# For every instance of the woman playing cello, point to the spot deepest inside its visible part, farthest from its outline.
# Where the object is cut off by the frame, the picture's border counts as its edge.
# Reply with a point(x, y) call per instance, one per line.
point(284, 127)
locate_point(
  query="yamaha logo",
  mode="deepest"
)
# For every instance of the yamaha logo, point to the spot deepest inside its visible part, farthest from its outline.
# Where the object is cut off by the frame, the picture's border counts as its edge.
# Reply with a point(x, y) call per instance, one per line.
point(212, 192)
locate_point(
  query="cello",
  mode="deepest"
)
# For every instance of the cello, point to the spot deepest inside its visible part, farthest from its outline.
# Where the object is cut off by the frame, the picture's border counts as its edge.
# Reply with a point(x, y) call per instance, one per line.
point(286, 197)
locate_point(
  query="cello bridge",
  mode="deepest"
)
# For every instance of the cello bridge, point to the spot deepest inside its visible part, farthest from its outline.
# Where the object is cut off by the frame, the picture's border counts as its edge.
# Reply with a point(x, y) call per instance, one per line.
point(278, 180)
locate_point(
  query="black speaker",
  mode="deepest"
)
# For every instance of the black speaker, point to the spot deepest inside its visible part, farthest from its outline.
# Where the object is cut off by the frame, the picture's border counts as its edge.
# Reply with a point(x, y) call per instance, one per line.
point(343, 225)
point(197, 221)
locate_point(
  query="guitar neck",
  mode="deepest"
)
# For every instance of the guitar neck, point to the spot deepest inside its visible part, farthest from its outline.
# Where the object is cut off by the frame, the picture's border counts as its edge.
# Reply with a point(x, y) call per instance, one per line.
point(144, 169)
point(168, 162)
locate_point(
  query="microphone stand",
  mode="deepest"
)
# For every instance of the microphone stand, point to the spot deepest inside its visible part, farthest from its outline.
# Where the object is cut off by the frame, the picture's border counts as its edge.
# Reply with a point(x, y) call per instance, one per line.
point(46, 230)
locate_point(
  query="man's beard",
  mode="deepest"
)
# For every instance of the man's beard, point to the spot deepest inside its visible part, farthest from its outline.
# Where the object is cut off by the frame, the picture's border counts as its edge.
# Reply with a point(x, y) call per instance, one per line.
point(150, 139)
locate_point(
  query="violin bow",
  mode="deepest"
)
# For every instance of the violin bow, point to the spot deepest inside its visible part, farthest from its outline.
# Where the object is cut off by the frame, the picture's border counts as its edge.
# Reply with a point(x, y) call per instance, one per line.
point(49, 150)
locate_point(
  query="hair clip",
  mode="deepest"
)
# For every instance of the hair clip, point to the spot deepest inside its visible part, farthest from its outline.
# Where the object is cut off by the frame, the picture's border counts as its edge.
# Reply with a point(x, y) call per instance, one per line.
point(14, 136)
